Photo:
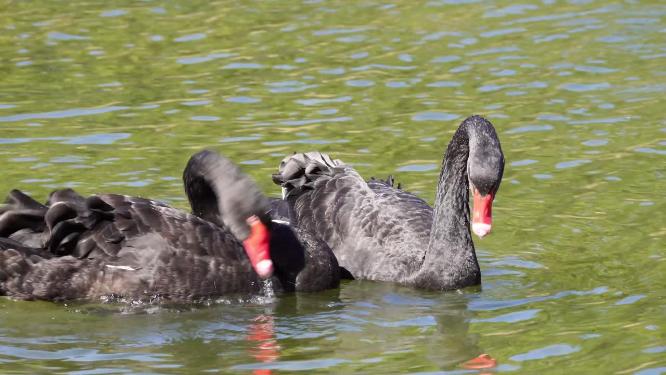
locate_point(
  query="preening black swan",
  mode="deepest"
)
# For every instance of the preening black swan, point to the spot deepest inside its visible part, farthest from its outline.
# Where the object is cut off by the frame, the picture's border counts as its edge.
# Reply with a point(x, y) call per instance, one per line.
point(122, 246)
point(380, 232)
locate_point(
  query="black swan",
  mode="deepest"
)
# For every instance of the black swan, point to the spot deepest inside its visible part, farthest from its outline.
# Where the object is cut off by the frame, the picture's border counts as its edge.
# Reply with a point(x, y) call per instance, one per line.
point(380, 232)
point(139, 249)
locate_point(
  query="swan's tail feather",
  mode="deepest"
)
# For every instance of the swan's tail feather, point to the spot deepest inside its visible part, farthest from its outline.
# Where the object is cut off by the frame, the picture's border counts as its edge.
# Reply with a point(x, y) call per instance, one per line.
point(43, 270)
point(74, 219)
point(298, 172)
point(22, 219)
point(57, 227)
point(65, 195)
point(17, 199)
point(19, 212)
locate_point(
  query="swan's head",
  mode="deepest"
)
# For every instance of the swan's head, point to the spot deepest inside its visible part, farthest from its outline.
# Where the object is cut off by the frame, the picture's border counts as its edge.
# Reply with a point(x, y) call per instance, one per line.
point(485, 166)
point(222, 194)
point(257, 247)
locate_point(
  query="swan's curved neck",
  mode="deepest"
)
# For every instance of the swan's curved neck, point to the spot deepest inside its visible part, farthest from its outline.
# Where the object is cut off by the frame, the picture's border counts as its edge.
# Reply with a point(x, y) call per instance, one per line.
point(450, 261)
point(220, 193)
point(202, 198)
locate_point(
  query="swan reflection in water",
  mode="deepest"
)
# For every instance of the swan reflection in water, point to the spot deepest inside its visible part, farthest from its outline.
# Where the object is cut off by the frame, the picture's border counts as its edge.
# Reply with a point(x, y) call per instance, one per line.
point(380, 312)
point(454, 337)
point(265, 349)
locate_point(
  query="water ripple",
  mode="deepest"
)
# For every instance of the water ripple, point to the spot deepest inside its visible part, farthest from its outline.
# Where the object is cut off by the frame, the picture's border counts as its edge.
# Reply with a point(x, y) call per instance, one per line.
point(655, 349)
point(520, 163)
point(304, 141)
point(382, 67)
point(584, 87)
point(510, 10)
point(113, 13)
point(445, 59)
point(195, 103)
point(611, 120)
point(529, 128)
point(242, 99)
point(335, 31)
point(360, 83)
point(55, 35)
point(514, 317)
point(572, 163)
point(444, 84)
point(303, 365)
point(421, 321)
point(243, 66)
point(417, 168)
point(288, 86)
point(79, 355)
point(630, 299)
point(201, 59)
point(205, 118)
point(596, 142)
point(489, 305)
point(90, 139)
point(318, 101)
point(546, 352)
point(190, 37)
point(434, 116)
point(652, 371)
point(314, 121)
point(74, 112)
point(649, 150)
point(502, 32)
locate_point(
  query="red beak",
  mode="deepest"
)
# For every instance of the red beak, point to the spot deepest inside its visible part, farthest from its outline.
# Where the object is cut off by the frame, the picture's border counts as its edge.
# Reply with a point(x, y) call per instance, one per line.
point(257, 247)
point(482, 213)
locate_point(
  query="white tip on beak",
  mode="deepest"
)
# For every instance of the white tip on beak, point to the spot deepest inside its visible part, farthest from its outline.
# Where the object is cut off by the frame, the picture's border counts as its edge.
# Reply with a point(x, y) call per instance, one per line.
point(481, 229)
point(265, 268)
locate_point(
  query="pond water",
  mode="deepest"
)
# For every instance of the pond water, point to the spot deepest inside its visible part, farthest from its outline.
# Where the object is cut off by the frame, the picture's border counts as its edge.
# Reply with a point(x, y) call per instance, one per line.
point(115, 96)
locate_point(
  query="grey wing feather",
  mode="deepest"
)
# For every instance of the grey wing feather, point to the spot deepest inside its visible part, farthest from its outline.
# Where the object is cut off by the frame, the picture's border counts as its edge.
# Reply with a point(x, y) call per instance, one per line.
point(375, 230)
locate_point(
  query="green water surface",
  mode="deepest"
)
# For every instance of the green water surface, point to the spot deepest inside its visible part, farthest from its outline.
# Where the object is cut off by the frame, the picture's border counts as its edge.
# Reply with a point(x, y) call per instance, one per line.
point(114, 96)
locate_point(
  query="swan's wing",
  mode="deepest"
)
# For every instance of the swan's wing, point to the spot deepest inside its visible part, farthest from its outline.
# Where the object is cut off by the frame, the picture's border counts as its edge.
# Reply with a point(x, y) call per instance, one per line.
point(113, 222)
point(314, 186)
point(305, 262)
point(376, 231)
point(101, 225)
point(125, 246)
point(147, 273)
point(22, 219)
point(390, 189)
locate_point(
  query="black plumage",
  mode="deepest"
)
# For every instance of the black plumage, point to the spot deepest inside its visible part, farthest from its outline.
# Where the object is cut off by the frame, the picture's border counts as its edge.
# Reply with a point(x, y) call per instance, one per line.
point(115, 245)
point(380, 232)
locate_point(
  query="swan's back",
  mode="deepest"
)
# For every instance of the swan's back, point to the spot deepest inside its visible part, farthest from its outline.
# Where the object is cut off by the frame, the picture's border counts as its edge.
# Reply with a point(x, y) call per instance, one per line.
point(376, 230)
point(134, 218)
